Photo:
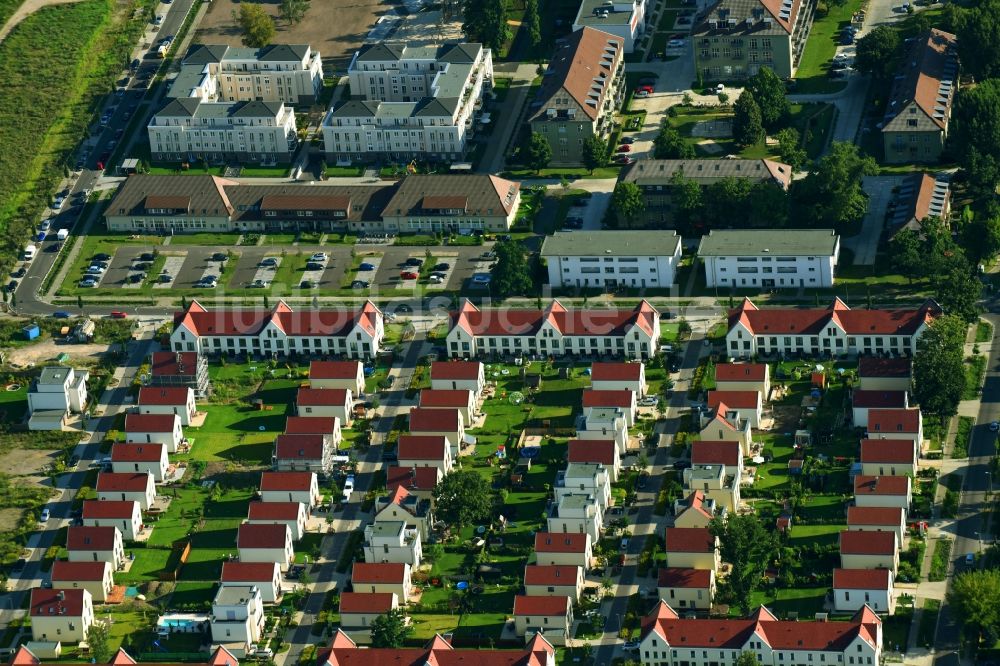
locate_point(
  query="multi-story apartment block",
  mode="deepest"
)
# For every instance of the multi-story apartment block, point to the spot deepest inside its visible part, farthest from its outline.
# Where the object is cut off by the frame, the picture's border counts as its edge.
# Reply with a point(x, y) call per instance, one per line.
point(625, 19)
point(445, 202)
point(915, 126)
point(612, 258)
point(409, 102)
point(786, 258)
point(289, 73)
point(735, 38)
point(582, 89)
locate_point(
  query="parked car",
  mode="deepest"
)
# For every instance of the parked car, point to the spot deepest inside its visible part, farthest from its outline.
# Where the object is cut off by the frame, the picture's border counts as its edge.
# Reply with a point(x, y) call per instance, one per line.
point(409, 275)
point(360, 284)
point(675, 43)
point(318, 256)
point(624, 148)
point(365, 266)
point(145, 256)
point(314, 266)
point(259, 284)
point(220, 256)
point(87, 283)
point(623, 159)
point(268, 262)
point(107, 257)
point(61, 314)
point(165, 278)
point(443, 266)
point(118, 314)
point(627, 140)
point(413, 261)
point(307, 284)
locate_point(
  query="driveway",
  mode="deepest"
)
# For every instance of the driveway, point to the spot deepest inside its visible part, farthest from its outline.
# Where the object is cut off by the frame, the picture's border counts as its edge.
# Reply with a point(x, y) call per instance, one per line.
point(864, 245)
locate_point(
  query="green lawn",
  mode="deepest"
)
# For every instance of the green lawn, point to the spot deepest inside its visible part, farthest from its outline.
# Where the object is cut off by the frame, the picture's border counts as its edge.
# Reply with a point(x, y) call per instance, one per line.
point(984, 331)
point(975, 370)
point(812, 75)
point(206, 238)
point(806, 601)
point(246, 171)
point(13, 404)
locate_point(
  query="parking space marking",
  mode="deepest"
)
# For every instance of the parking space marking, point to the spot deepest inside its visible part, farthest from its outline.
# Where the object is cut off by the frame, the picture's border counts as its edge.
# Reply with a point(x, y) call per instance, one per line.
point(266, 273)
point(171, 267)
point(316, 277)
point(450, 258)
point(368, 276)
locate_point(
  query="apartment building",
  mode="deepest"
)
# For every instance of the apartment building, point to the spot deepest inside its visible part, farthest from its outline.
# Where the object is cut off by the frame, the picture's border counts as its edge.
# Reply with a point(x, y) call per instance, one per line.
point(343, 650)
point(582, 89)
point(920, 196)
point(289, 73)
point(624, 19)
point(610, 259)
point(771, 258)
point(915, 127)
point(409, 102)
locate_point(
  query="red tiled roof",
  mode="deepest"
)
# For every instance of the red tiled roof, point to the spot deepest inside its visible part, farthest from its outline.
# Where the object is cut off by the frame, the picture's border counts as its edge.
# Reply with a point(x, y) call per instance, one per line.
point(328, 397)
point(47, 602)
point(299, 447)
point(334, 369)
point(150, 422)
point(248, 572)
point(867, 543)
point(810, 321)
point(615, 372)
point(413, 478)
point(887, 451)
point(90, 538)
point(163, 395)
point(621, 398)
point(551, 574)
point(879, 399)
point(592, 451)
point(458, 398)
point(689, 540)
point(438, 652)
point(696, 502)
point(893, 420)
point(232, 322)
point(63, 570)
point(550, 542)
point(734, 399)
point(274, 511)
point(875, 515)
point(421, 447)
point(378, 572)
point(687, 578)
point(708, 452)
point(166, 364)
point(434, 420)
point(740, 372)
point(456, 370)
point(497, 322)
point(581, 71)
point(110, 509)
point(525, 604)
point(872, 366)
point(261, 535)
point(132, 452)
point(310, 425)
point(286, 480)
point(366, 602)
point(123, 482)
point(881, 485)
point(862, 579)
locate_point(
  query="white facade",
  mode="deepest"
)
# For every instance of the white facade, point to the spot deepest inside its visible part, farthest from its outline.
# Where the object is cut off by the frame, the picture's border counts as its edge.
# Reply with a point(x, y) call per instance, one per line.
point(291, 73)
point(580, 513)
point(472, 377)
point(112, 552)
point(584, 478)
point(265, 576)
point(392, 541)
point(611, 258)
point(59, 389)
point(283, 553)
point(621, 18)
point(185, 410)
point(715, 483)
point(99, 579)
point(789, 258)
point(128, 521)
point(259, 515)
point(853, 589)
point(605, 424)
point(139, 430)
point(124, 459)
point(291, 492)
point(61, 620)
point(138, 487)
point(237, 615)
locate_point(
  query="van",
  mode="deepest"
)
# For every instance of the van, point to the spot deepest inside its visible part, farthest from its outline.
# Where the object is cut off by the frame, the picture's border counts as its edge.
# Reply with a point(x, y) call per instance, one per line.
point(29, 252)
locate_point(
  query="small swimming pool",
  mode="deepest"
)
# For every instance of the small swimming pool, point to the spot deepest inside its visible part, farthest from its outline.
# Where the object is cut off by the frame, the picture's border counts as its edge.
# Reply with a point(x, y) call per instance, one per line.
point(181, 623)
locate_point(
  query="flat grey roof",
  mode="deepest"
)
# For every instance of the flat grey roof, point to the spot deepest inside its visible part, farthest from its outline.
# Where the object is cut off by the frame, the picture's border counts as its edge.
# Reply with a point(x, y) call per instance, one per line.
point(53, 375)
point(773, 242)
point(611, 243)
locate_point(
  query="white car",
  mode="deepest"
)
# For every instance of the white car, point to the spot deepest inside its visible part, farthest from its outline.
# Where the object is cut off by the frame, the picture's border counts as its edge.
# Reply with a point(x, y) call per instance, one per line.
point(319, 256)
point(675, 43)
point(45, 515)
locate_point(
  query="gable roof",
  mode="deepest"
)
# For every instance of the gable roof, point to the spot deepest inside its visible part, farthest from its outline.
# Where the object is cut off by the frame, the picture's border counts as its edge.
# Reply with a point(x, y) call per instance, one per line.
point(274, 511)
point(602, 451)
point(876, 515)
point(456, 370)
point(893, 420)
point(163, 395)
point(734, 399)
point(109, 509)
point(422, 447)
point(696, 502)
point(262, 535)
point(873, 366)
point(248, 572)
point(438, 652)
point(551, 574)
point(868, 543)
point(46, 602)
point(366, 602)
point(927, 82)
point(580, 75)
point(615, 372)
point(887, 451)
point(688, 540)
point(250, 322)
point(293, 481)
point(63, 570)
point(568, 322)
point(879, 399)
point(133, 452)
point(622, 398)
point(457, 398)
point(435, 420)
point(740, 372)
point(881, 485)
point(647, 172)
point(322, 397)
point(525, 604)
point(334, 369)
point(300, 447)
point(170, 364)
point(484, 194)
point(91, 538)
point(412, 478)
point(311, 425)
point(150, 422)
point(709, 452)
point(862, 579)
point(811, 321)
point(684, 578)
point(124, 482)
point(571, 542)
point(378, 572)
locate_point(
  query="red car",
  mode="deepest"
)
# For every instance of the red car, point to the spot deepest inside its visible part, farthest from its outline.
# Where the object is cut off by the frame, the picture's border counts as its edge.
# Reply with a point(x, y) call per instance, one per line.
point(118, 314)
point(408, 275)
point(623, 159)
point(625, 148)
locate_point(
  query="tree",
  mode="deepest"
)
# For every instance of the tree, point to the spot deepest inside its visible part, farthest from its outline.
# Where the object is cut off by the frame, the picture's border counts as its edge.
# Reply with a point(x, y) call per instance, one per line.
point(907, 254)
point(981, 237)
point(670, 145)
point(878, 53)
point(725, 202)
point(975, 598)
point(978, 32)
point(485, 21)
point(790, 149)
point(686, 197)
point(256, 24)
point(831, 195)
point(627, 203)
point(938, 372)
point(463, 497)
point(767, 205)
point(99, 639)
point(749, 548)
point(747, 659)
point(748, 128)
point(958, 289)
point(293, 11)
point(532, 22)
point(974, 135)
point(390, 629)
point(595, 152)
point(511, 274)
point(769, 92)
point(538, 152)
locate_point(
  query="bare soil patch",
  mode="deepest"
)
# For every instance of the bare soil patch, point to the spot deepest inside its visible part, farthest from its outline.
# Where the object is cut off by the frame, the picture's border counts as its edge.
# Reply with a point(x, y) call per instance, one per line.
point(25, 462)
point(47, 350)
point(9, 519)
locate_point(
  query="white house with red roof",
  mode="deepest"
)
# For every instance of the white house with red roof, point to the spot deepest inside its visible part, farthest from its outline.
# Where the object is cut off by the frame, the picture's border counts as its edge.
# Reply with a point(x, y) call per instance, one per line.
point(343, 651)
point(554, 580)
point(854, 589)
point(459, 376)
point(463, 400)
point(743, 377)
point(95, 544)
point(686, 589)
point(554, 331)
point(315, 425)
point(279, 331)
point(418, 481)
point(548, 615)
point(835, 330)
point(618, 377)
point(127, 487)
point(325, 402)
point(95, 577)
point(691, 548)
point(694, 511)
point(727, 454)
point(889, 457)
point(265, 543)
point(889, 491)
point(725, 425)
point(304, 453)
point(704, 642)
point(348, 375)
point(138, 458)
point(359, 609)
point(415, 451)
point(155, 428)
point(878, 519)
point(746, 404)
point(896, 424)
point(25, 657)
point(884, 374)
point(566, 549)
point(391, 577)
point(604, 423)
point(125, 515)
point(576, 512)
point(60, 615)
point(869, 550)
point(402, 505)
point(623, 399)
point(177, 400)
point(584, 478)
point(864, 400)
point(292, 514)
point(440, 422)
point(290, 487)
point(265, 576)
point(601, 451)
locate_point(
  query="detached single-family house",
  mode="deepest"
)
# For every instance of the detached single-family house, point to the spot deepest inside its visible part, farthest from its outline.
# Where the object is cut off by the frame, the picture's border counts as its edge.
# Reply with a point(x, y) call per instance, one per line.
point(131, 458)
point(601, 451)
point(743, 377)
point(443, 422)
point(463, 400)
point(618, 377)
point(855, 588)
point(60, 615)
point(54, 395)
point(695, 511)
point(896, 424)
point(400, 504)
point(878, 519)
point(338, 375)
point(290, 487)
point(359, 609)
point(177, 400)
point(265, 576)
point(890, 491)
point(125, 515)
point(884, 374)
point(392, 541)
point(553, 581)
point(415, 451)
point(604, 423)
point(304, 453)
point(889, 457)
point(723, 424)
point(577, 513)
point(869, 550)
point(864, 400)
point(567, 549)
point(623, 399)
point(159, 428)
point(181, 369)
point(418, 481)
point(715, 484)
point(127, 486)
point(455, 375)
point(691, 548)
point(391, 577)
point(325, 402)
point(315, 425)
point(727, 454)
point(265, 543)
point(584, 478)
point(237, 618)
point(94, 577)
point(549, 615)
point(292, 514)
point(746, 404)
point(95, 544)
point(688, 589)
